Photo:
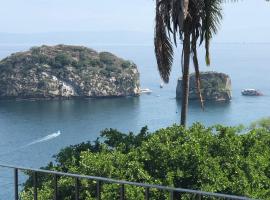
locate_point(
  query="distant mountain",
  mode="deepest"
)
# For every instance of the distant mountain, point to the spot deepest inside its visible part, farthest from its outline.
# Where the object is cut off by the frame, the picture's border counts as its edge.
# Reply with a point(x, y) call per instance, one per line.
point(92, 38)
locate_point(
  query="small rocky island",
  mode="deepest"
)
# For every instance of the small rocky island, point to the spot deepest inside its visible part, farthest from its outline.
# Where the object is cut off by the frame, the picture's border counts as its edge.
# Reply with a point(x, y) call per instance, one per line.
point(64, 71)
point(214, 87)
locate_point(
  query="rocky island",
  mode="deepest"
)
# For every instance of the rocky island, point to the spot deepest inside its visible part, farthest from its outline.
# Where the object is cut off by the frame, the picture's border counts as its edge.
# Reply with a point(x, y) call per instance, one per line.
point(214, 87)
point(64, 71)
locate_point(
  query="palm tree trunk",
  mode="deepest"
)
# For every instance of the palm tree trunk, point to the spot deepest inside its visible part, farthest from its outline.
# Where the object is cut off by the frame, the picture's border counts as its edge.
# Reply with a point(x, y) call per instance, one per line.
point(185, 79)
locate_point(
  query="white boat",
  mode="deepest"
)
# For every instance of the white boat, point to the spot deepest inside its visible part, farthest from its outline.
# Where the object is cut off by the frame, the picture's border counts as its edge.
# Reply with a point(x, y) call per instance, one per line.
point(145, 91)
point(251, 92)
point(161, 85)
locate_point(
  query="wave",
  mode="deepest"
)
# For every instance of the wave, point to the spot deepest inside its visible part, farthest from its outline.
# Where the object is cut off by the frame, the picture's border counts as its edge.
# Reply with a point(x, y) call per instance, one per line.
point(44, 139)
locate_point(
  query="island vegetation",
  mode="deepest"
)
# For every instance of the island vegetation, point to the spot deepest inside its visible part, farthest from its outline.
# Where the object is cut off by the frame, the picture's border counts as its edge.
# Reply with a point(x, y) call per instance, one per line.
point(231, 160)
point(65, 71)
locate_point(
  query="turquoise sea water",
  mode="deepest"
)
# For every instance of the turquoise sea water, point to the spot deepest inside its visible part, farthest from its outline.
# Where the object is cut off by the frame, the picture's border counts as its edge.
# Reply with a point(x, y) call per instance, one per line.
point(32, 131)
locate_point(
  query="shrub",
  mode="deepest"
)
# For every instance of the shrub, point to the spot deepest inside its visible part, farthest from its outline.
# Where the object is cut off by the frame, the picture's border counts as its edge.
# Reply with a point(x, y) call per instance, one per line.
point(215, 159)
point(113, 69)
point(107, 58)
point(94, 62)
point(261, 123)
point(83, 55)
point(105, 72)
point(62, 59)
point(35, 50)
point(126, 64)
point(40, 58)
point(86, 63)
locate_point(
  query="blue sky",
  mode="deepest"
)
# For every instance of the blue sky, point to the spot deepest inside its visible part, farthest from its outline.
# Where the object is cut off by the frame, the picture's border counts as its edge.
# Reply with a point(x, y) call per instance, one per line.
point(245, 21)
point(75, 15)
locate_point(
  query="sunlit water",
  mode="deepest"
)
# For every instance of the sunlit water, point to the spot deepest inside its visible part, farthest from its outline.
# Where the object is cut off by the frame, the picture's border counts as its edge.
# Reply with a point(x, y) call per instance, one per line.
point(32, 131)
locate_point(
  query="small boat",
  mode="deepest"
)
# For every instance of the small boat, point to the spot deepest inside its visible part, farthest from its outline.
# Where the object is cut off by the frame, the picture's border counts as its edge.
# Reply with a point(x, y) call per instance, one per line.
point(161, 85)
point(145, 91)
point(251, 92)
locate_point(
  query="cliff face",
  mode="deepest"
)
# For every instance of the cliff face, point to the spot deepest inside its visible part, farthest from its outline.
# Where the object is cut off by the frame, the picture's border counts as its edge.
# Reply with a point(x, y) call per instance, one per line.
point(214, 87)
point(67, 71)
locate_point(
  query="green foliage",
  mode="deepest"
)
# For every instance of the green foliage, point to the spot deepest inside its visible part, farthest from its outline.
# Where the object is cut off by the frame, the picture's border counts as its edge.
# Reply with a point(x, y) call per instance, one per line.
point(126, 64)
point(86, 63)
point(215, 159)
point(107, 58)
point(261, 123)
point(40, 58)
point(6, 67)
point(35, 50)
point(116, 139)
point(85, 60)
point(83, 55)
point(62, 59)
point(111, 68)
point(105, 72)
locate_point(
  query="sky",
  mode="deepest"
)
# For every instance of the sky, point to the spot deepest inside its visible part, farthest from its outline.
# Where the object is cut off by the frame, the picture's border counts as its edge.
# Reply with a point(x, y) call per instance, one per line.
point(245, 21)
point(76, 15)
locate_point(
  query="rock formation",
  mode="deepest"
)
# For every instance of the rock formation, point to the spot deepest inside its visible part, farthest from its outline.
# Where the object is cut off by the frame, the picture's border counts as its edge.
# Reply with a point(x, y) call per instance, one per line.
point(214, 87)
point(67, 71)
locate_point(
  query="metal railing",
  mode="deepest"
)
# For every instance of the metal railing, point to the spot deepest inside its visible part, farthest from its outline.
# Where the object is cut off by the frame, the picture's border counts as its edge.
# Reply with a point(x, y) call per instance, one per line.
point(99, 180)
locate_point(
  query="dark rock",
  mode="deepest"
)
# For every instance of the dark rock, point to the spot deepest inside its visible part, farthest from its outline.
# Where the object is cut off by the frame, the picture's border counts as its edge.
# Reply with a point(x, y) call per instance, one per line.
point(214, 87)
point(67, 71)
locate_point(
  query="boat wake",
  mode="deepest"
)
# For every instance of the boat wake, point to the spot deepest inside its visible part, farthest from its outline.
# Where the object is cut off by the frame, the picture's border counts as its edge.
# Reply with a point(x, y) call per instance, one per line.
point(40, 140)
point(44, 139)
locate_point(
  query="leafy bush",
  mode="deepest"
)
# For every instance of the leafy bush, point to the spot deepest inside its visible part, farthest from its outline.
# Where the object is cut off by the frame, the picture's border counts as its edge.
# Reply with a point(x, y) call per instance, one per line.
point(105, 72)
point(35, 50)
point(95, 63)
point(107, 58)
point(40, 58)
point(83, 55)
point(113, 69)
point(261, 123)
point(62, 59)
point(86, 63)
point(215, 159)
point(126, 64)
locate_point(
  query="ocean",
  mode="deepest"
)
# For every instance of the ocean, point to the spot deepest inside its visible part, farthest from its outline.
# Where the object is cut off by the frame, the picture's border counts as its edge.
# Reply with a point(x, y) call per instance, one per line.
point(32, 132)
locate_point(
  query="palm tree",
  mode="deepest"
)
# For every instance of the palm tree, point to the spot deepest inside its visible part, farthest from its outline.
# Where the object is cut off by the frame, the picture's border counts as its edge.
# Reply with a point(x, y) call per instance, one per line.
point(192, 22)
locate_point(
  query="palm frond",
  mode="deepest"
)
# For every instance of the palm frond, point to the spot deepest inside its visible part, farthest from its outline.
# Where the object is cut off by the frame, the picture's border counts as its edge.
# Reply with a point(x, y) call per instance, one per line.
point(163, 44)
point(179, 11)
point(203, 18)
point(210, 23)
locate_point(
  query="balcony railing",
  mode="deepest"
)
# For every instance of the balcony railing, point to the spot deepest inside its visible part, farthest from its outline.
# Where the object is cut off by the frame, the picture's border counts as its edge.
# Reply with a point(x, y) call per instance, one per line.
point(99, 180)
